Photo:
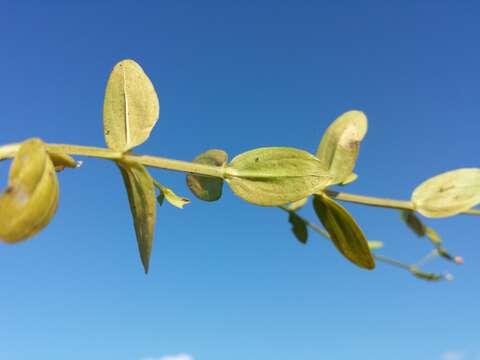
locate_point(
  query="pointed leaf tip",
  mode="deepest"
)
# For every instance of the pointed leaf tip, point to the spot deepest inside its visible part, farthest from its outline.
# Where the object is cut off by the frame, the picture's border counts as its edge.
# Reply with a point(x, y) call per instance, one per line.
point(142, 200)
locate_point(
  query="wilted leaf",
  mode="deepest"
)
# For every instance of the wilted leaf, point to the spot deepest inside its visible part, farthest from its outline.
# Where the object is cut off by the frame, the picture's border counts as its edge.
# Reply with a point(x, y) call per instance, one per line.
point(61, 161)
point(413, 222)
point(297, 204)
point(207, 188)
point(344, 231)
point(141, 196)
point(340, 145)
point(448, 194)
point(275, 176)
point(131, 107)
point(299, 228)
point(172, 198)
point(375, 245)
point(31, 198)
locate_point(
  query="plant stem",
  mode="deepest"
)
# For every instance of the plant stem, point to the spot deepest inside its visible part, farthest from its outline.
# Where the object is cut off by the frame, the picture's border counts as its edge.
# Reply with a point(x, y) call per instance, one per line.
point(8, 151)
point(393, 262)
point(381, 202)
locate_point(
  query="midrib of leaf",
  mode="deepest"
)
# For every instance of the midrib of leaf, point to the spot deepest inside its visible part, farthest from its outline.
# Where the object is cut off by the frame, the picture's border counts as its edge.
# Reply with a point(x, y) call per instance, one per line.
point(127, 124)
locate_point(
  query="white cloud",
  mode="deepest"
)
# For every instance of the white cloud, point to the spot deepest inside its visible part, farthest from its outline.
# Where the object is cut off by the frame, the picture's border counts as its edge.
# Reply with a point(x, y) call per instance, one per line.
point(187, 357)
point(453, 355)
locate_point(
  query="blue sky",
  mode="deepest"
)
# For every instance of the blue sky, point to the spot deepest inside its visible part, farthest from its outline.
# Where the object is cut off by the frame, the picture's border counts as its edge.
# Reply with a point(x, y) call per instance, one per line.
point(228, 280)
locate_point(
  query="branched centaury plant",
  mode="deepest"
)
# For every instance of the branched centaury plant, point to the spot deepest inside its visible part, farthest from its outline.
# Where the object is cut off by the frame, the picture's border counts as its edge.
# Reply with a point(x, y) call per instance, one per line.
point(271, 176)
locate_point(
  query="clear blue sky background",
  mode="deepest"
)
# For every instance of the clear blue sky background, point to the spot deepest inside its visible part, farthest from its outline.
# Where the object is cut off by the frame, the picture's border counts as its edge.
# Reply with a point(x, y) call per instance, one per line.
point(227, 280)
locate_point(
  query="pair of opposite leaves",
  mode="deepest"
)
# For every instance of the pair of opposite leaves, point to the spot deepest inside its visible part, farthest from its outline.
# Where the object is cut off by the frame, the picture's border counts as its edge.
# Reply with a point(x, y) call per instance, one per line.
point(265, 176)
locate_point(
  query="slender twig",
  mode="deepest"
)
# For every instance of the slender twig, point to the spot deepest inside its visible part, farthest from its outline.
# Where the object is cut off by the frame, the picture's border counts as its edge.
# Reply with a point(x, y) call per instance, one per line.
point(381, 202)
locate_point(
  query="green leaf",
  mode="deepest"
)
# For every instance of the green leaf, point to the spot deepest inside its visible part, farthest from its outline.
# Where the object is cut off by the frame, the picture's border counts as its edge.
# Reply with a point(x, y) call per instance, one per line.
point(30, 200)
point(344, 231)
point(131, 107)
point(426, 276)
point(413, 222)
point(141, 197)
point(340, 145)
point(207, 188)
point(274, 176)
point(448, 194)
point(172, 198)
point(299, 228)
point(375, 245)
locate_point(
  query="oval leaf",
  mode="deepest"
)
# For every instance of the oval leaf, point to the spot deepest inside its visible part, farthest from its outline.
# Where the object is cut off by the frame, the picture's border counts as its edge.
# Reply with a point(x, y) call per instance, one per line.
point(340, 145)
point(31, 198)
point(207, 188)
point(142, 200)
point(413, 222)
point(275, 176)
point(344, 231)
point(448, 194)
point(299, 228)
point(131, 107)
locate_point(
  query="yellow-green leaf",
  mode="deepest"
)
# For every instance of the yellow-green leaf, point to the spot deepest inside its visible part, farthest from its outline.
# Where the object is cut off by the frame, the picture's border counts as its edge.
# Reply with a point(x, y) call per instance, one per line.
point(172, 198)
point(448, 194)
point(62, 161)
point(413, 222)
point(375, 245)
point(299, 228)
point(131, 107)
point(340, 145)
point(31, 198)
point(344, 231)
point(275, 176)
point(141, 197)
point(207, 188)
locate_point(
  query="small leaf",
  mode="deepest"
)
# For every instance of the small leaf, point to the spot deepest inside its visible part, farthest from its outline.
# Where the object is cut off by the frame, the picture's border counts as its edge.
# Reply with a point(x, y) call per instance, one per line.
point(413, 222)
point(344, 231)
point(61, 161)
point(131, 107)
point(275, 176)
point(31, 198)
point(340, 145)
point(299, 228)
point(294, 206)
point(448, 194)
point(375, 245)
point(141, 197)
point(426, 276)
point(207, 188)
point(172, 198)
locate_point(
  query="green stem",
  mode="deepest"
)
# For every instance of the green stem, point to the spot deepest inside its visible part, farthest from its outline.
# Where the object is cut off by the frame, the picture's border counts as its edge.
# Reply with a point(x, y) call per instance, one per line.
point(8, 151)
point(381, 202)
